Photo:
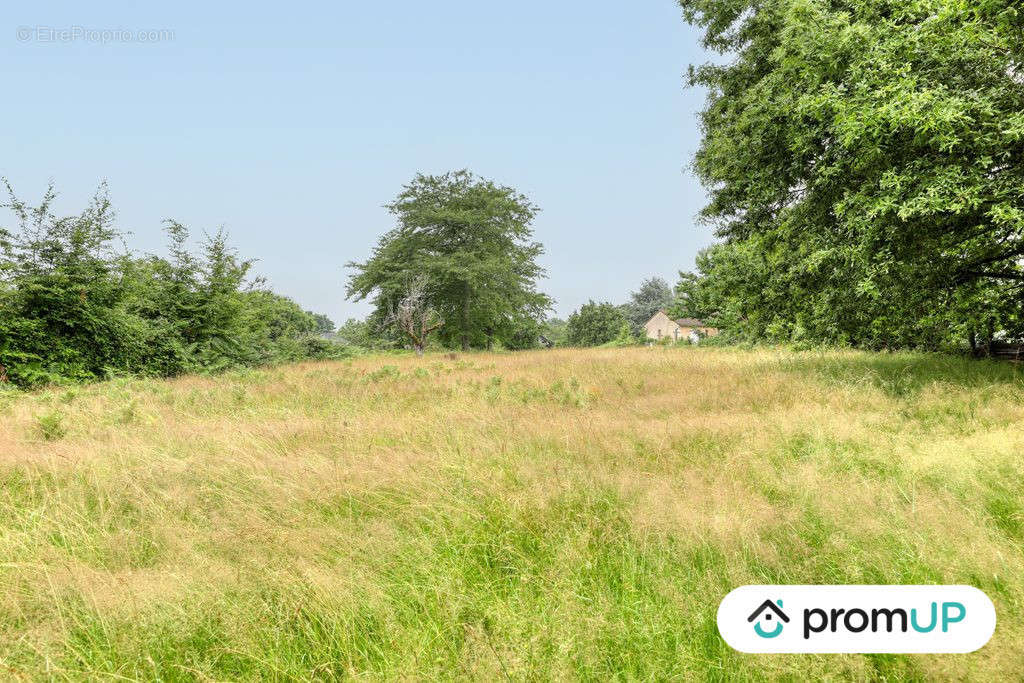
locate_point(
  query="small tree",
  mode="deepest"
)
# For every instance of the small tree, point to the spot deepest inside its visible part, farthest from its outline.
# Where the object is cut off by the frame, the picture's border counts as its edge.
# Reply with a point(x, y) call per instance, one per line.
point(414, 316)
point(594, 324)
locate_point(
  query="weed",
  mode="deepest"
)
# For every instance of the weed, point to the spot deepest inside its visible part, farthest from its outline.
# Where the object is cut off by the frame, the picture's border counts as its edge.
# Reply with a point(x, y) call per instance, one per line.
point(385, 372)
point(51, 426)
point(569, 394)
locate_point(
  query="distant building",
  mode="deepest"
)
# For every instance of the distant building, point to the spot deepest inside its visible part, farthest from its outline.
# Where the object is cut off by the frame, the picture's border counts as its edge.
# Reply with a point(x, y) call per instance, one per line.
point(663, 327)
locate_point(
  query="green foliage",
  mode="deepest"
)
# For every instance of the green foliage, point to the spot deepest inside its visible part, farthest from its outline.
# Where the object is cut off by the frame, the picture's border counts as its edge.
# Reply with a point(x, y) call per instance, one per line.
point(654, 294)
point(59, 282)
point(525, 336)
point(864, 160)
point(324, 325)
point(625, 337)
point(556, 331)
point(51, 426)
point(594, 324)
point(73, 309)
point(360, 334)
point(471, 241)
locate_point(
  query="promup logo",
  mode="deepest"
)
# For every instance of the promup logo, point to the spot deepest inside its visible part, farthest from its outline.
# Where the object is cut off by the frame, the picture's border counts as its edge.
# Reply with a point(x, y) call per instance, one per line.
point(857, 619)
point(767, 611)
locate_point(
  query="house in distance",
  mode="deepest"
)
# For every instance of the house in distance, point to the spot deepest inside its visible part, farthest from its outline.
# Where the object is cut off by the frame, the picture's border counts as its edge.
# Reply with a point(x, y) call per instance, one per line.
point(660, 326)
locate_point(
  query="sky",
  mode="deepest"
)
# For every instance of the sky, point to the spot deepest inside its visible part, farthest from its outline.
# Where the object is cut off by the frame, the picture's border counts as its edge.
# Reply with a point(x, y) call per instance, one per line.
point(291, 125)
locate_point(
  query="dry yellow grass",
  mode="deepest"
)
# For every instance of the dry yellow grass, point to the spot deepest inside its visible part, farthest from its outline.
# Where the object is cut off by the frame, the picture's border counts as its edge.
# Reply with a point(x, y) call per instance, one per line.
point(565, 514)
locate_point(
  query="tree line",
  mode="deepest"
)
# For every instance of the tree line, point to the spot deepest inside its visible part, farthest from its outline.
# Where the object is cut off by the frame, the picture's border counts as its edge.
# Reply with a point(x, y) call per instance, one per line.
point(459, 270)
point(74, 307)
point(864, 164)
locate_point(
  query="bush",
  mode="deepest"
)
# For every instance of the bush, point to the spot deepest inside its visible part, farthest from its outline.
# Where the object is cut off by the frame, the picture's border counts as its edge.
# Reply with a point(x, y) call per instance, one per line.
point(71, 309)
point(594, 324)
point(624, 337)
point(51, 426)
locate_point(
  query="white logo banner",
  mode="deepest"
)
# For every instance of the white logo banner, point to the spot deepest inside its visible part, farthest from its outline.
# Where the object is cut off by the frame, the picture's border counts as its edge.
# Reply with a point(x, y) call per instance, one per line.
point(893, 619)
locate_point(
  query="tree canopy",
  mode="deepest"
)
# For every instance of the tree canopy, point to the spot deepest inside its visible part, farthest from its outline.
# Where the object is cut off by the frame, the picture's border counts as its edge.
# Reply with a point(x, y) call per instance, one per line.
point(471, 242)
point(595, 324)
point(864, 163)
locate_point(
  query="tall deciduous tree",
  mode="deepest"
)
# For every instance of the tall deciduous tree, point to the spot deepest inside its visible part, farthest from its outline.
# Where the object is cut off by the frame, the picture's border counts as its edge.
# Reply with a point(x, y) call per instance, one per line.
point(471, 240)
point(865, 160)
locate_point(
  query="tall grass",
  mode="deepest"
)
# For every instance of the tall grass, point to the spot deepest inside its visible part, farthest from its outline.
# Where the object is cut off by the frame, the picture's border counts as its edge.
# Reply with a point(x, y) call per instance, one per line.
point(563, 514)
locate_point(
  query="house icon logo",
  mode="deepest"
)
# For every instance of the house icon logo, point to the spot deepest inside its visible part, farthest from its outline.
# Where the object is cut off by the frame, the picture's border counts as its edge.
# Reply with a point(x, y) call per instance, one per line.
point(764, 616)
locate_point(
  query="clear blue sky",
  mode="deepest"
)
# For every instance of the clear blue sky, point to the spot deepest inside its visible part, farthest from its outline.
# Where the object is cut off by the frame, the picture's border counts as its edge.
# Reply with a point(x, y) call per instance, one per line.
point(292, 124)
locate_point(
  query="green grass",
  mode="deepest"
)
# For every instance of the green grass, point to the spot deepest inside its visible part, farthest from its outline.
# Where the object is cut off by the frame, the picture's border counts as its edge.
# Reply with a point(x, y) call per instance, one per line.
point(572, 515)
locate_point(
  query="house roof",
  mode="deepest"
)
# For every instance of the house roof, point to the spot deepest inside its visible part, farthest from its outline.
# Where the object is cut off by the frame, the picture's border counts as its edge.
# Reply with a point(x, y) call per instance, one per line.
point(766, 605)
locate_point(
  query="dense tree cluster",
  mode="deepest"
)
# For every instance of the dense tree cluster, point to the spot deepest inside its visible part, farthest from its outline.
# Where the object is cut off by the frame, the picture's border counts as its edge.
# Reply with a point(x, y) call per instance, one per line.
point(864, 161)
point(73, 309)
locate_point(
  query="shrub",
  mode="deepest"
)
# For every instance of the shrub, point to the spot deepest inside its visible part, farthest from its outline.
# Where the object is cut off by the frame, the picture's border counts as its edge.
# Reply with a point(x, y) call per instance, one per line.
point(51, 426)
point(72, 309)
point(594, 324)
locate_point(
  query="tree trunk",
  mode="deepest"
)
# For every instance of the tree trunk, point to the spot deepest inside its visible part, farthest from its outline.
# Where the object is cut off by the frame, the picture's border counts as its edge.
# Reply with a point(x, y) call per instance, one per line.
point(973, 338)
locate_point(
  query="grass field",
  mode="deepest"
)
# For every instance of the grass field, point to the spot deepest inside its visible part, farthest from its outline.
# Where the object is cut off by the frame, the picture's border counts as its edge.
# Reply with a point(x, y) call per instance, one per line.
point(564, 514)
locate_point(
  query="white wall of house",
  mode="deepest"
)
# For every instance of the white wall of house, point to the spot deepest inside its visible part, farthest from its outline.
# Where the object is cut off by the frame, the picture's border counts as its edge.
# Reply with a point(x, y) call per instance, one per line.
point(661, 326)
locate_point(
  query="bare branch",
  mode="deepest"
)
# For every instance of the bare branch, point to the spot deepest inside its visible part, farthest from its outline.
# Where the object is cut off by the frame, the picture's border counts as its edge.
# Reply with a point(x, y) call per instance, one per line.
point(414, 315)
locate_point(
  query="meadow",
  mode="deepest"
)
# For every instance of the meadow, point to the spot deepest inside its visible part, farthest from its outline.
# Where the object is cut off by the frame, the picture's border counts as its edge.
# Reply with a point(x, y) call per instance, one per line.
point(566, 514)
